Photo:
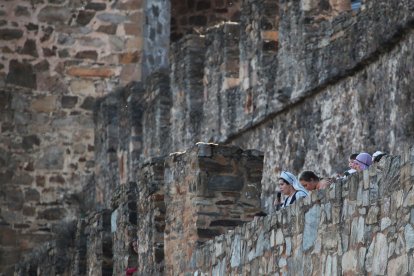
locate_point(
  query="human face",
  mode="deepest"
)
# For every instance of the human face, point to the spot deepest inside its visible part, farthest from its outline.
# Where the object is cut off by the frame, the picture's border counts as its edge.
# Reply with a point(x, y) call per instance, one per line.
point(285, 189)
point(135, 246)
point(356, 166)
point(309, 185)
point(352, 164)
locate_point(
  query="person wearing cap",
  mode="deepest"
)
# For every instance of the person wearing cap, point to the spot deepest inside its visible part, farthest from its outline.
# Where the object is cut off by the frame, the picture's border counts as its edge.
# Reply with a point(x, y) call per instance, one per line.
point(376, 156)
point(362, 161)
point(290, 188)
point(311, 181)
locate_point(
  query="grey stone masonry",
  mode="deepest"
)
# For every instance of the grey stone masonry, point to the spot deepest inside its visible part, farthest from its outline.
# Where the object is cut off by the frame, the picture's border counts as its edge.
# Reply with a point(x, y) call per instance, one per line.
point(208, 190)
point(151, 218)
point(360, 226)
point(187, 89)
point(156, 124)
point(124, 222)
point(99, 251)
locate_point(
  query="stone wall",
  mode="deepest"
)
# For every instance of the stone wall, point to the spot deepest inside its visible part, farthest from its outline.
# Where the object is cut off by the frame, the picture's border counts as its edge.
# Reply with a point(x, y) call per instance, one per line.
point(151, 217)
point(57, 56)
point(99, 252)
point(208, 190)
point(299, 97)
point(369, 111)
point(124, 222)
point(189, 16)
point(307, 82)
point(357, 227)
point(157, 31)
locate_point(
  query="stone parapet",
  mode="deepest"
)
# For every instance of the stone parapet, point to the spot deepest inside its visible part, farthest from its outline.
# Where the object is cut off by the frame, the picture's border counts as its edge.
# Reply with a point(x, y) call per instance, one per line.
point(118, 141)
point(151, 217)
point(156, 125)
point(221, 79)
point(99, 252)
point(208, 190)
point(356, 227)
point(187, 70)
point(124, 222)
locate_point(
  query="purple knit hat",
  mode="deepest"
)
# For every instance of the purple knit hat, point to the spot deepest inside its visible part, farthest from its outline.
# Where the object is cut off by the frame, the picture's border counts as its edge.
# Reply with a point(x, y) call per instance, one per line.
point(364, 160)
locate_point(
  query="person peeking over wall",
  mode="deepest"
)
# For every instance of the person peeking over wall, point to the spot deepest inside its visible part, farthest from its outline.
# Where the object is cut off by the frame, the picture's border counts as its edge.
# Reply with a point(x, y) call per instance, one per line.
point(311, 181)
point(291, 188)
point(133, 249)
point(362, 161)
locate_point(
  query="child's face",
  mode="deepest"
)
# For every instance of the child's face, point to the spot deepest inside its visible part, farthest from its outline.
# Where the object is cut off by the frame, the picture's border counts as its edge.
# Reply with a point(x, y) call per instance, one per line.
point(352, 164)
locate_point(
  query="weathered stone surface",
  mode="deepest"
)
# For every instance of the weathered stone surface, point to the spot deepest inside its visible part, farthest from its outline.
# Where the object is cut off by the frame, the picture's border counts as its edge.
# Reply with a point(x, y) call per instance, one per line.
point(10, 34)
point(87, 55)
point(108, 29)
point(21, 73)
point(30, 141)
point(310, 231)
point(52, 159)
point(112, 18)
point(95, 6)
point(225, 183)
point(91, 72)
point(84, 17)
point(398, 266)
point(69, 101)
point(54, 15)
point(44, 104)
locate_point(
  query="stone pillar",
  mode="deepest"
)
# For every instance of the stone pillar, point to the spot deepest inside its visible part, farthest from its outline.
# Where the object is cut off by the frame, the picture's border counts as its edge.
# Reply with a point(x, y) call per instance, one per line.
point(221, 80)
point(156, 36)
point(124, 227)
point(187, 69)
point(151, 217)
point(157, 113)
point(209, 190)
point(99, 244)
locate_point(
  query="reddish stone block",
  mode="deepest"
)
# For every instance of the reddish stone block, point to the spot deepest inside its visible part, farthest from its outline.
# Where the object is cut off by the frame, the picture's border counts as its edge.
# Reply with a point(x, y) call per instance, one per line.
point(101, 72)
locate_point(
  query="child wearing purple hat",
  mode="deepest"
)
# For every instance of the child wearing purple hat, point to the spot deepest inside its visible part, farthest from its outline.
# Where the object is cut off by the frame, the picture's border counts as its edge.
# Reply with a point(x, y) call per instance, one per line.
point(362, 161)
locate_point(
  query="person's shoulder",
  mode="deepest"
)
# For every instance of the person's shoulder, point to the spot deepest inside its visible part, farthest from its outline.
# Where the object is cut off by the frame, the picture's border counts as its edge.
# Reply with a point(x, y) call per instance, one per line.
point(300, 194)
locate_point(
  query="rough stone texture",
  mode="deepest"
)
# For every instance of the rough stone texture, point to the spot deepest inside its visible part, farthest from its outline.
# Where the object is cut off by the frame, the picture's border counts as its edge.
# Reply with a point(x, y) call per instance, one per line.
point(157, 34)
point(99, 244)
point(124, 227)
point(273, 244)
point(306, 82)
point(118, 145)
point(301, 134)
point(195, 16)
point(55, 61)
point(187, 69)
point(208, 190)
point(151, 217)
point(156, 106)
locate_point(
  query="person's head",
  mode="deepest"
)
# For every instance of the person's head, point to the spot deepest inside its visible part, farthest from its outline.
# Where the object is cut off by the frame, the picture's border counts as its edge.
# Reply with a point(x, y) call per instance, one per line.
point(351, 160)
point(286, 181)
point(134, 245)
point(362, 161)
point(309, 180)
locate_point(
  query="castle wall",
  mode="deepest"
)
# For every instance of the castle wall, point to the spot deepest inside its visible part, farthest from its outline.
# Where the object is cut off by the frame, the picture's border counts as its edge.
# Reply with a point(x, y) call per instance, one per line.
point(368, 111)
point(209, 189)
point(151, 218)
point(357, 227)
point(307, 82)
point(57, 57)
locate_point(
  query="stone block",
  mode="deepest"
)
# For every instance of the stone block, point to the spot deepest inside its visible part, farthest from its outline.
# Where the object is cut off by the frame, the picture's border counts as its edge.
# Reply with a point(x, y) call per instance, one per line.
point(101, 72)
point(44, 104)
point(10, 34)
point(22, 74)
point(54, 15)
point(398, 266)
